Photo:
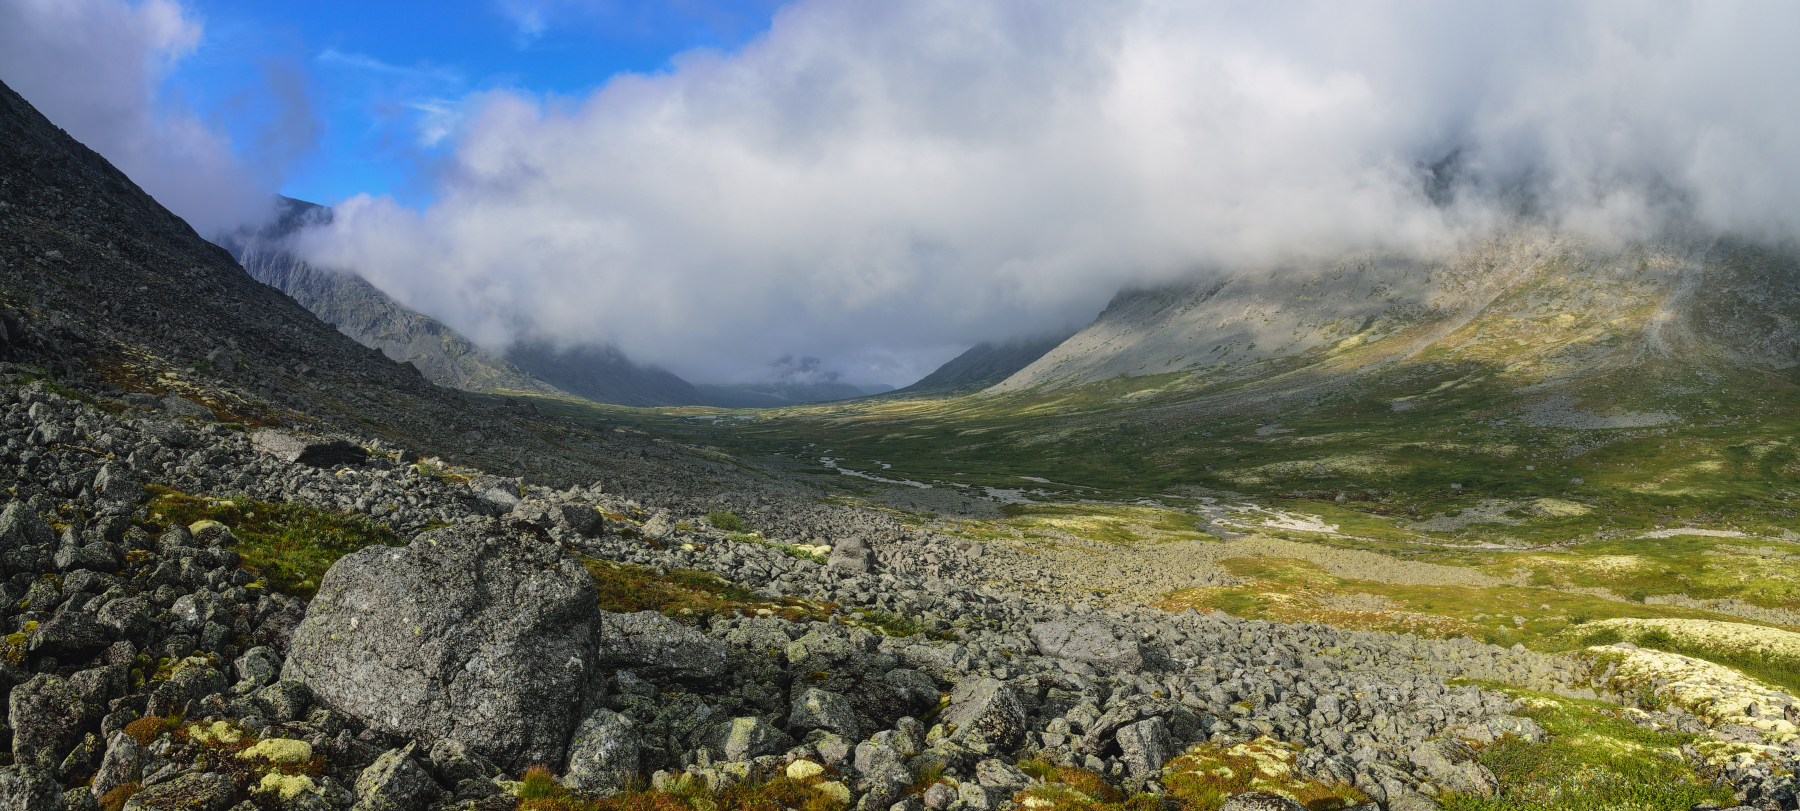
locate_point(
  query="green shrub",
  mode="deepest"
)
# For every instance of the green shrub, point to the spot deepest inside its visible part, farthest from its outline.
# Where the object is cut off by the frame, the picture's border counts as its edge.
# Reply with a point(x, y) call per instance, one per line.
point(729, 522)
point(1604, 636)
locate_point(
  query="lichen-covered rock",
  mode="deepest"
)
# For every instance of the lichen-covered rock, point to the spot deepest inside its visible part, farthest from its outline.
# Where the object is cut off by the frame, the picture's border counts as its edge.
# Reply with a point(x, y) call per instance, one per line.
point(604, 754)
point(207, 791)
point(1145, 746)
point(285, 700)
point(1451, 764)
point(1260, 801)
point(47, 716)
point(822, 709)
point(22, 526)
point(257, 667)
point(483, 632)
point(747, 738)
point(1091, 643)
point(395, 782)
point(655, 645)
point(986, 710)
point(124, 763)
point(26, 788)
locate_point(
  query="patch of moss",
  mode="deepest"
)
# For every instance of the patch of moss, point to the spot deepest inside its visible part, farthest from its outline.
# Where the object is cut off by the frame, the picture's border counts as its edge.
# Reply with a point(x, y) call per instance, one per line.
point(896, 625)
point(1593, 759)
point(115, 800)
point(290, 545)
point(1071, 788)
point(1204, 776)
point(690, 595)
point(147, 729)
point(540, 791)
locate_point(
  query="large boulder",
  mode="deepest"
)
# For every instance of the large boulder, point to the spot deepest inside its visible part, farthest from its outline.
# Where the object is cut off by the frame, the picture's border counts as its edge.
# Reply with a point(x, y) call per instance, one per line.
point(1451, 763)
point(48, 716)
point(987, 710)
point(1145, 746)
point(658, 646)
point(308, 450)
point(1090, 643)
point(850, 556)
point(22, 526)
point(24, 788)
point(482, 632)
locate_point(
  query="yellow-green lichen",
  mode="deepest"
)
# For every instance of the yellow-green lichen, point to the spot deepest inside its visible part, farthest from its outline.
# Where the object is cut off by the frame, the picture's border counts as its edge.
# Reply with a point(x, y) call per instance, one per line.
point(278, 750)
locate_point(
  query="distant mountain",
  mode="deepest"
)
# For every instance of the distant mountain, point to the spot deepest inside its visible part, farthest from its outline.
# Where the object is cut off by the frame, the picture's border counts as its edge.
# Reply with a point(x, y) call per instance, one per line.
point(603, 374)
point(780, 393)
point(362, 311)
point(1541, 310)
point(984, 365)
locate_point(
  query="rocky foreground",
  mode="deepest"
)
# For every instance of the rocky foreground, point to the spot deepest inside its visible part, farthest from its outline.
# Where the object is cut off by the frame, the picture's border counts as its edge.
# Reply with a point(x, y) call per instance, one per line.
point(148, 668)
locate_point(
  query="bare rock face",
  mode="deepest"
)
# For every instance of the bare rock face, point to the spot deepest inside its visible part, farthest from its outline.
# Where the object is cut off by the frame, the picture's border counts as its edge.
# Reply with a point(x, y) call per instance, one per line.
point(483, 632)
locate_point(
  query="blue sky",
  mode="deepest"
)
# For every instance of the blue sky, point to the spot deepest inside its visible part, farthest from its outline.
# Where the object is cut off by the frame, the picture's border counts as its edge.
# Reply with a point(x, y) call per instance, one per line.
point(387, 81)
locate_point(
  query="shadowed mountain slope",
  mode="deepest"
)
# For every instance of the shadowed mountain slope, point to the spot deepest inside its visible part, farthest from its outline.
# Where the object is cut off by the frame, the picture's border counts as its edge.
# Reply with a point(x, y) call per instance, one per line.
point(603, 374)
point(983, 365)
point(106, 290)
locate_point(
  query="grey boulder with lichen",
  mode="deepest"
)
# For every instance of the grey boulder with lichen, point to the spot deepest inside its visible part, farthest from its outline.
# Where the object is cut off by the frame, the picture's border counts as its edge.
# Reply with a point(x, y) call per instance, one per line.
point(483, 632)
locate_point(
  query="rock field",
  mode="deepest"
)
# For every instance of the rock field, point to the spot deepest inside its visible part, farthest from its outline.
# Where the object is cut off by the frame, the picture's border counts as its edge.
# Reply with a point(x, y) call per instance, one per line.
point(431, 675)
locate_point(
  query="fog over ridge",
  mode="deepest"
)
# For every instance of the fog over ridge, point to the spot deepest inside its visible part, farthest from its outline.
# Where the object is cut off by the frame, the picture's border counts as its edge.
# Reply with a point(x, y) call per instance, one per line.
point(882, 185)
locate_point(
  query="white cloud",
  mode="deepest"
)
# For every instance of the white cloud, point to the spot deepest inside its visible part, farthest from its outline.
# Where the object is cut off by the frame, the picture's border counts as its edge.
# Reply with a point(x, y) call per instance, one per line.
point(95, 68)
point(877, 184)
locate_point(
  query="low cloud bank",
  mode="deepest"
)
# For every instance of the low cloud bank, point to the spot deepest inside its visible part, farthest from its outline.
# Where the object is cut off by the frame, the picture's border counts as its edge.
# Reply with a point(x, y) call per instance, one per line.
point(98, 68)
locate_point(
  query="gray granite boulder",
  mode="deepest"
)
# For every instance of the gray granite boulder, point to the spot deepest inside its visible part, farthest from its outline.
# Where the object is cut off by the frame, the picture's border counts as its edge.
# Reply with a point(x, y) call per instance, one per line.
point(1145, 746)
point(25, 788)
point(206, 791)
point(309, 451)
point(395, 782)
point(604, 755)
point(1452, 764)
point(822, 709)
point(48, 716)
point(483, 632)
point(1090, 643)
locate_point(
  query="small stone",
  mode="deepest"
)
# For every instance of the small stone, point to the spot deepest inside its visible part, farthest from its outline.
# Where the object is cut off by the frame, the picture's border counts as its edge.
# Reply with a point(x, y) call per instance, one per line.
point(802, 769)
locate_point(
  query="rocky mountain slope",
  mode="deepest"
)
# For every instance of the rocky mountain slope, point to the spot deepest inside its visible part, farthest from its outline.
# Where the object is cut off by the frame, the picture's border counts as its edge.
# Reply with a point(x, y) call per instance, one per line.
point(227, 581)
point(447, 358)
point(1540, 308)
point(365, 313)
point(983, 365)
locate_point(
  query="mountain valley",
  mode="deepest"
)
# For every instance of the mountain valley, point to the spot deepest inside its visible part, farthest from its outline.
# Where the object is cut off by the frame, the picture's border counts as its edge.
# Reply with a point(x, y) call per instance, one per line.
point(1506, 529)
